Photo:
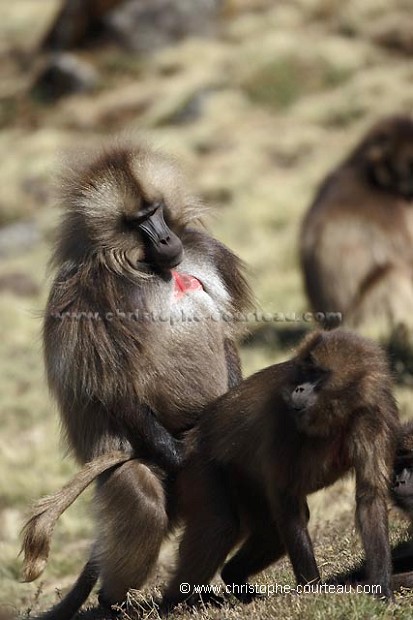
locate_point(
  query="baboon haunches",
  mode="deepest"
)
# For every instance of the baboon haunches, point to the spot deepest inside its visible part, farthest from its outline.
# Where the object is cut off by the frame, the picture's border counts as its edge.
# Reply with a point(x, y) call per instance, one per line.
point(357, 237)
point(134, 340)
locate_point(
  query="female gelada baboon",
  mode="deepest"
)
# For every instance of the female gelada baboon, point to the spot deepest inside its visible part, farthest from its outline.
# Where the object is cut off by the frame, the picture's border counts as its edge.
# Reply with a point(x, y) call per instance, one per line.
point(258, 451)
point(357, 237)
point(134, 340)
point(282, 434)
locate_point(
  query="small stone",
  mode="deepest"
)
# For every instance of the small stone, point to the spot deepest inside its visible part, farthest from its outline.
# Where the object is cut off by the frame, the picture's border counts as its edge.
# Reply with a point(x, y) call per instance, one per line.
point(64, 74)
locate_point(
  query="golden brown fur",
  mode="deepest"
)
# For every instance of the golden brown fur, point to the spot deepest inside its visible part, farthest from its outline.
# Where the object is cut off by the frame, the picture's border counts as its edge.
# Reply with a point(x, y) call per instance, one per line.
point(125, 362)
point(357, 238)
point(38, 530)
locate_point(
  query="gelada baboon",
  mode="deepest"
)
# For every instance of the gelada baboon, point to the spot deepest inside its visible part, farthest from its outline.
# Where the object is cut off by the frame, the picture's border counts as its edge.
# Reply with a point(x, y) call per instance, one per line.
point(402, 496)
point(135, 341)
point(282, 434)
point(402, 487)
point(260, 449)
point(357, 237)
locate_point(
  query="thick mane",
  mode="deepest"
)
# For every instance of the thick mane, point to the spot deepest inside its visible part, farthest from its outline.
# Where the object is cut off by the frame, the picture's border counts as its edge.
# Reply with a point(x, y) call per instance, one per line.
point(97, 192)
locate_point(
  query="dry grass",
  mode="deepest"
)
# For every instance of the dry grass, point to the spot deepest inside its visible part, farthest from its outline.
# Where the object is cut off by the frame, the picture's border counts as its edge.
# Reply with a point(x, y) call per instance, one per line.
point(287, 89)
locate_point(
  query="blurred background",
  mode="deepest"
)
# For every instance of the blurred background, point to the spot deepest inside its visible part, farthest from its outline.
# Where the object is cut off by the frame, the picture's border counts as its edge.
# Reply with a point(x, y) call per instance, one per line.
point(258, 99)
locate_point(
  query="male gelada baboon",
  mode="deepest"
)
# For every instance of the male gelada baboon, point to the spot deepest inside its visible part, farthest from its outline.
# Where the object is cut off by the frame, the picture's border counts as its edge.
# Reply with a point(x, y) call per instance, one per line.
point(135, 342)
point(357, 237)
point(259, 450)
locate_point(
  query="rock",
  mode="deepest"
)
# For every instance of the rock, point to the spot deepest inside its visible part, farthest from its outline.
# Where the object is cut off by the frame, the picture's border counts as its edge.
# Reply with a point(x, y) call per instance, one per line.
point(143, 26)
point(138, 25)
point(190, 110)
point(62, 75)
point(78, 23)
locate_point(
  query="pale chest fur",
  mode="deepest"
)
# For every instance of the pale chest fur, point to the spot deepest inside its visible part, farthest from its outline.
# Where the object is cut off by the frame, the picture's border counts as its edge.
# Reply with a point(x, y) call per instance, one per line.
point(186, 364)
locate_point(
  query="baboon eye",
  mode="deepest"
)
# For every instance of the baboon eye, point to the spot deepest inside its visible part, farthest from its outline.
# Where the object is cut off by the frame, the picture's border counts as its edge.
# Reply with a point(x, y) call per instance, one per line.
point(145, 212)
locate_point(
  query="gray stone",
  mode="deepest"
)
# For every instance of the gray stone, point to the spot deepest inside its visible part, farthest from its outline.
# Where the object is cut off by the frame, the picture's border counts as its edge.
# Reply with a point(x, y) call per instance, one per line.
point(143, 26)
point(63, 74)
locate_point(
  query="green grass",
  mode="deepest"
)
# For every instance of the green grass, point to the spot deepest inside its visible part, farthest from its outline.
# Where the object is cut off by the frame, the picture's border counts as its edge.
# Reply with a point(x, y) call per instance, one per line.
point(283, 81)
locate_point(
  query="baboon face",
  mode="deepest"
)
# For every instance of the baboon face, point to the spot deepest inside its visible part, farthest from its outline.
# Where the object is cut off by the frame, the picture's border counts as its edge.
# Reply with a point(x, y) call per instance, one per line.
point(328, 366)
point(133, 204)
point(388, 155)
point(161, 247)
point(303, 400)
point(402, 488)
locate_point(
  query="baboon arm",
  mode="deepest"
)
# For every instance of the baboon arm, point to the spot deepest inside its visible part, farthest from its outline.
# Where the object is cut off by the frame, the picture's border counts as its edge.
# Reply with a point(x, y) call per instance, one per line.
point(233, 364)
point(292, 516)
point(38, 530)
point(152, 441)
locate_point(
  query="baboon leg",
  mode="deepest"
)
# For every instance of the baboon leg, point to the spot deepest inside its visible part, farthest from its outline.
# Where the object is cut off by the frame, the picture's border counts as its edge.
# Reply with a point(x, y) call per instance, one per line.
point(402, 580)
point(132, 524)
point(211, 532)
point(261, 549)
point(292, 517)
point(71, 603)
point(402, 557)
point(373, 509)
point(203, 550)
point(373, 469)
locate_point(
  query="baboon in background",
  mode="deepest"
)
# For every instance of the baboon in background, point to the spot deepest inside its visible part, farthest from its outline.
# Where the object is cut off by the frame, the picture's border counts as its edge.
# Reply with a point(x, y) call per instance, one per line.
point(257, 452)
point(135, 342)
point(357, 238)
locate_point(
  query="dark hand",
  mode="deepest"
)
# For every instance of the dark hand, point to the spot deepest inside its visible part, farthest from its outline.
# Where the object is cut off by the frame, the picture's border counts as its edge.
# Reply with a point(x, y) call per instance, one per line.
point(172, 457)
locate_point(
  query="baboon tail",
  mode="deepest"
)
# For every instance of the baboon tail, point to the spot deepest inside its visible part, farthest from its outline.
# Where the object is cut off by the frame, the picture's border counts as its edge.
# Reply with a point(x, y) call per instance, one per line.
point(74, 599)
point(38, 530)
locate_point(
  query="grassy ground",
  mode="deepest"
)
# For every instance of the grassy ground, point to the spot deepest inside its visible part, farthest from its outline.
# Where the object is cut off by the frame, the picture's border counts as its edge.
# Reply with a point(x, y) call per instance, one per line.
point(280, 96)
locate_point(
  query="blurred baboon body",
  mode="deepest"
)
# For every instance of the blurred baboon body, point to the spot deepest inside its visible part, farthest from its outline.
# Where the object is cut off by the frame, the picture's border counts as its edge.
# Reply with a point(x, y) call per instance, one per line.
point(357, 238)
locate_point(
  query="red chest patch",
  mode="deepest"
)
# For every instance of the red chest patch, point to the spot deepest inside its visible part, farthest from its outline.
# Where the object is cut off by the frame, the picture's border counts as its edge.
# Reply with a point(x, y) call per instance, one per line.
point(184, 283)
